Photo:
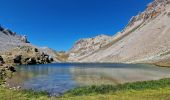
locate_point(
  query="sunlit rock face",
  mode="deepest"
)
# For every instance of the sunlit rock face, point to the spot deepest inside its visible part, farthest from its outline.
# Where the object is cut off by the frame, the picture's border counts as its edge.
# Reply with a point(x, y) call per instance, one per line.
point(146, 39)
point(85, 47)
point(9, 39)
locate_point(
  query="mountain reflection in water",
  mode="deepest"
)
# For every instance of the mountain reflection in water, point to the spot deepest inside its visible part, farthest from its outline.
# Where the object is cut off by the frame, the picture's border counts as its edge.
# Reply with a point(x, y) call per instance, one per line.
point(61, 77)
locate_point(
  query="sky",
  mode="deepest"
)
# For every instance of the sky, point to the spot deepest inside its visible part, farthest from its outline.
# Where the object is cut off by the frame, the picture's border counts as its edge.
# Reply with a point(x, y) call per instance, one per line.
point(58, 24)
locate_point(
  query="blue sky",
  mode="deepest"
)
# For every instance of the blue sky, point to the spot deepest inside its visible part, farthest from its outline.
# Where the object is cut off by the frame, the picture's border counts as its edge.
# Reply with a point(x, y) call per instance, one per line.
point(59, 23)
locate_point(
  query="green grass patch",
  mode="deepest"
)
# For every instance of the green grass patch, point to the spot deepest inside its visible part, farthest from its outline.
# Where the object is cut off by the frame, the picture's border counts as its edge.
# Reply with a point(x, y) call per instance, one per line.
point(147, 94)
point(105, 89)
point(7, 94)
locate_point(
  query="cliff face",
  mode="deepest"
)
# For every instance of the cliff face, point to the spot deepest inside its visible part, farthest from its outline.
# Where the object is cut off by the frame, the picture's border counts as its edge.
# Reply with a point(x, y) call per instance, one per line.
point(146, 39)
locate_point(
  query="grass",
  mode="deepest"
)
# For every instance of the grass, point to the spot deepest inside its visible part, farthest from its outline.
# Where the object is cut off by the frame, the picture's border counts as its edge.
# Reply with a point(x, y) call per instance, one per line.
point(148, 90)
point(148, 94)
point(106, 89)
point(7, 94)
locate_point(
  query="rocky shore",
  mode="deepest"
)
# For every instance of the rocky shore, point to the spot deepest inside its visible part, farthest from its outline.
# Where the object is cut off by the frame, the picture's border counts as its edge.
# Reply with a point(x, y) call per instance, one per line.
point(17, 50)
point(5, 70)
point(19, 56)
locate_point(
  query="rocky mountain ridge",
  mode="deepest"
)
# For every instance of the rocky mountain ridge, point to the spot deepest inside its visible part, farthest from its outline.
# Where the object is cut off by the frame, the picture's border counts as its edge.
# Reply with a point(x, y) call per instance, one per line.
point(146, 39)
point(9, 39)
point(84, 47)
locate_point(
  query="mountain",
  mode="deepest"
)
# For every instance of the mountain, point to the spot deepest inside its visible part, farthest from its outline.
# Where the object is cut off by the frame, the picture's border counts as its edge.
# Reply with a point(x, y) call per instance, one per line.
point(84, 47)
point(16, 49)
point(9, 39)
point(146, 39)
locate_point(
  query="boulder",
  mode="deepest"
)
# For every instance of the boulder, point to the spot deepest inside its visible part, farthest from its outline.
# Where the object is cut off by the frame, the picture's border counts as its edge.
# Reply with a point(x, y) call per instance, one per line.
point(35, 50)
point(12, 69)
point(9, 68)
point(168, 14)
point(24, 39)
point(51, 60)
point(18, 59)
point(1, 60)
point(31, 61)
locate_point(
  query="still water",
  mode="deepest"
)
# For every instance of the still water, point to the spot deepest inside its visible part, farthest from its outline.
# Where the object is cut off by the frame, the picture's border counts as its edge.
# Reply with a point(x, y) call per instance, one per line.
point(61, 77)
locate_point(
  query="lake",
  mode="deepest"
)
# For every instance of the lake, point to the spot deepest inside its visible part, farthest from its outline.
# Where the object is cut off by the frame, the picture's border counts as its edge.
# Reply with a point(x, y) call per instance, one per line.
point(61, 77)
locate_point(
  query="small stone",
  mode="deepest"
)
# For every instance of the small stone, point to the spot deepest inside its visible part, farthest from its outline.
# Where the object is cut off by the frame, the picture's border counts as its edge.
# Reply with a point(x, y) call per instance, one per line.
point(35, 49)
point(168, 14)
point(1, 60)
point(12, 69)
point(18, 87)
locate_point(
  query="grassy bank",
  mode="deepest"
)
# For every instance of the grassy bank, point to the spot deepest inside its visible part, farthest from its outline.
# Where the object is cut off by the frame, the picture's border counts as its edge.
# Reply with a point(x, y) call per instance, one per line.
point(148, 94)
point(7, 94)
point(152, 90)
point(105, 89)
point(148, 90)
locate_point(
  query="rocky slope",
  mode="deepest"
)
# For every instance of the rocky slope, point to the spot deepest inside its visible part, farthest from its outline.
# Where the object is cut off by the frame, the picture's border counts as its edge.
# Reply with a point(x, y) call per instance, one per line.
point(9, 39)
point(15, 49)
point(85, 47)
point(146, 39)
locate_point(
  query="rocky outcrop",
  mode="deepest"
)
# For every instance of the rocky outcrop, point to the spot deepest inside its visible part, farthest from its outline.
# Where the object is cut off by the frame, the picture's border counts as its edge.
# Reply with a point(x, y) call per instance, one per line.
point(6, 70)
point(24, 39)
point(146, 39)
point(30, 61)
point(26, 55)
point(17, 49)
point(13, 34)
point(53, 55)
point(10, 40)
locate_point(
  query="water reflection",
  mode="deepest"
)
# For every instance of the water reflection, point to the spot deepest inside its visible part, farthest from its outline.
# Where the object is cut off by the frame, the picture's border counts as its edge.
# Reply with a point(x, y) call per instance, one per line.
point(118, 75)
point(58, 78)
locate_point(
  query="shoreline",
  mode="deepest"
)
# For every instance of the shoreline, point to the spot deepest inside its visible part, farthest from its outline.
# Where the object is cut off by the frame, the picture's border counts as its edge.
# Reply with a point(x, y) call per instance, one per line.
point(18, 89)
point(12, 73)
point(94, 90)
